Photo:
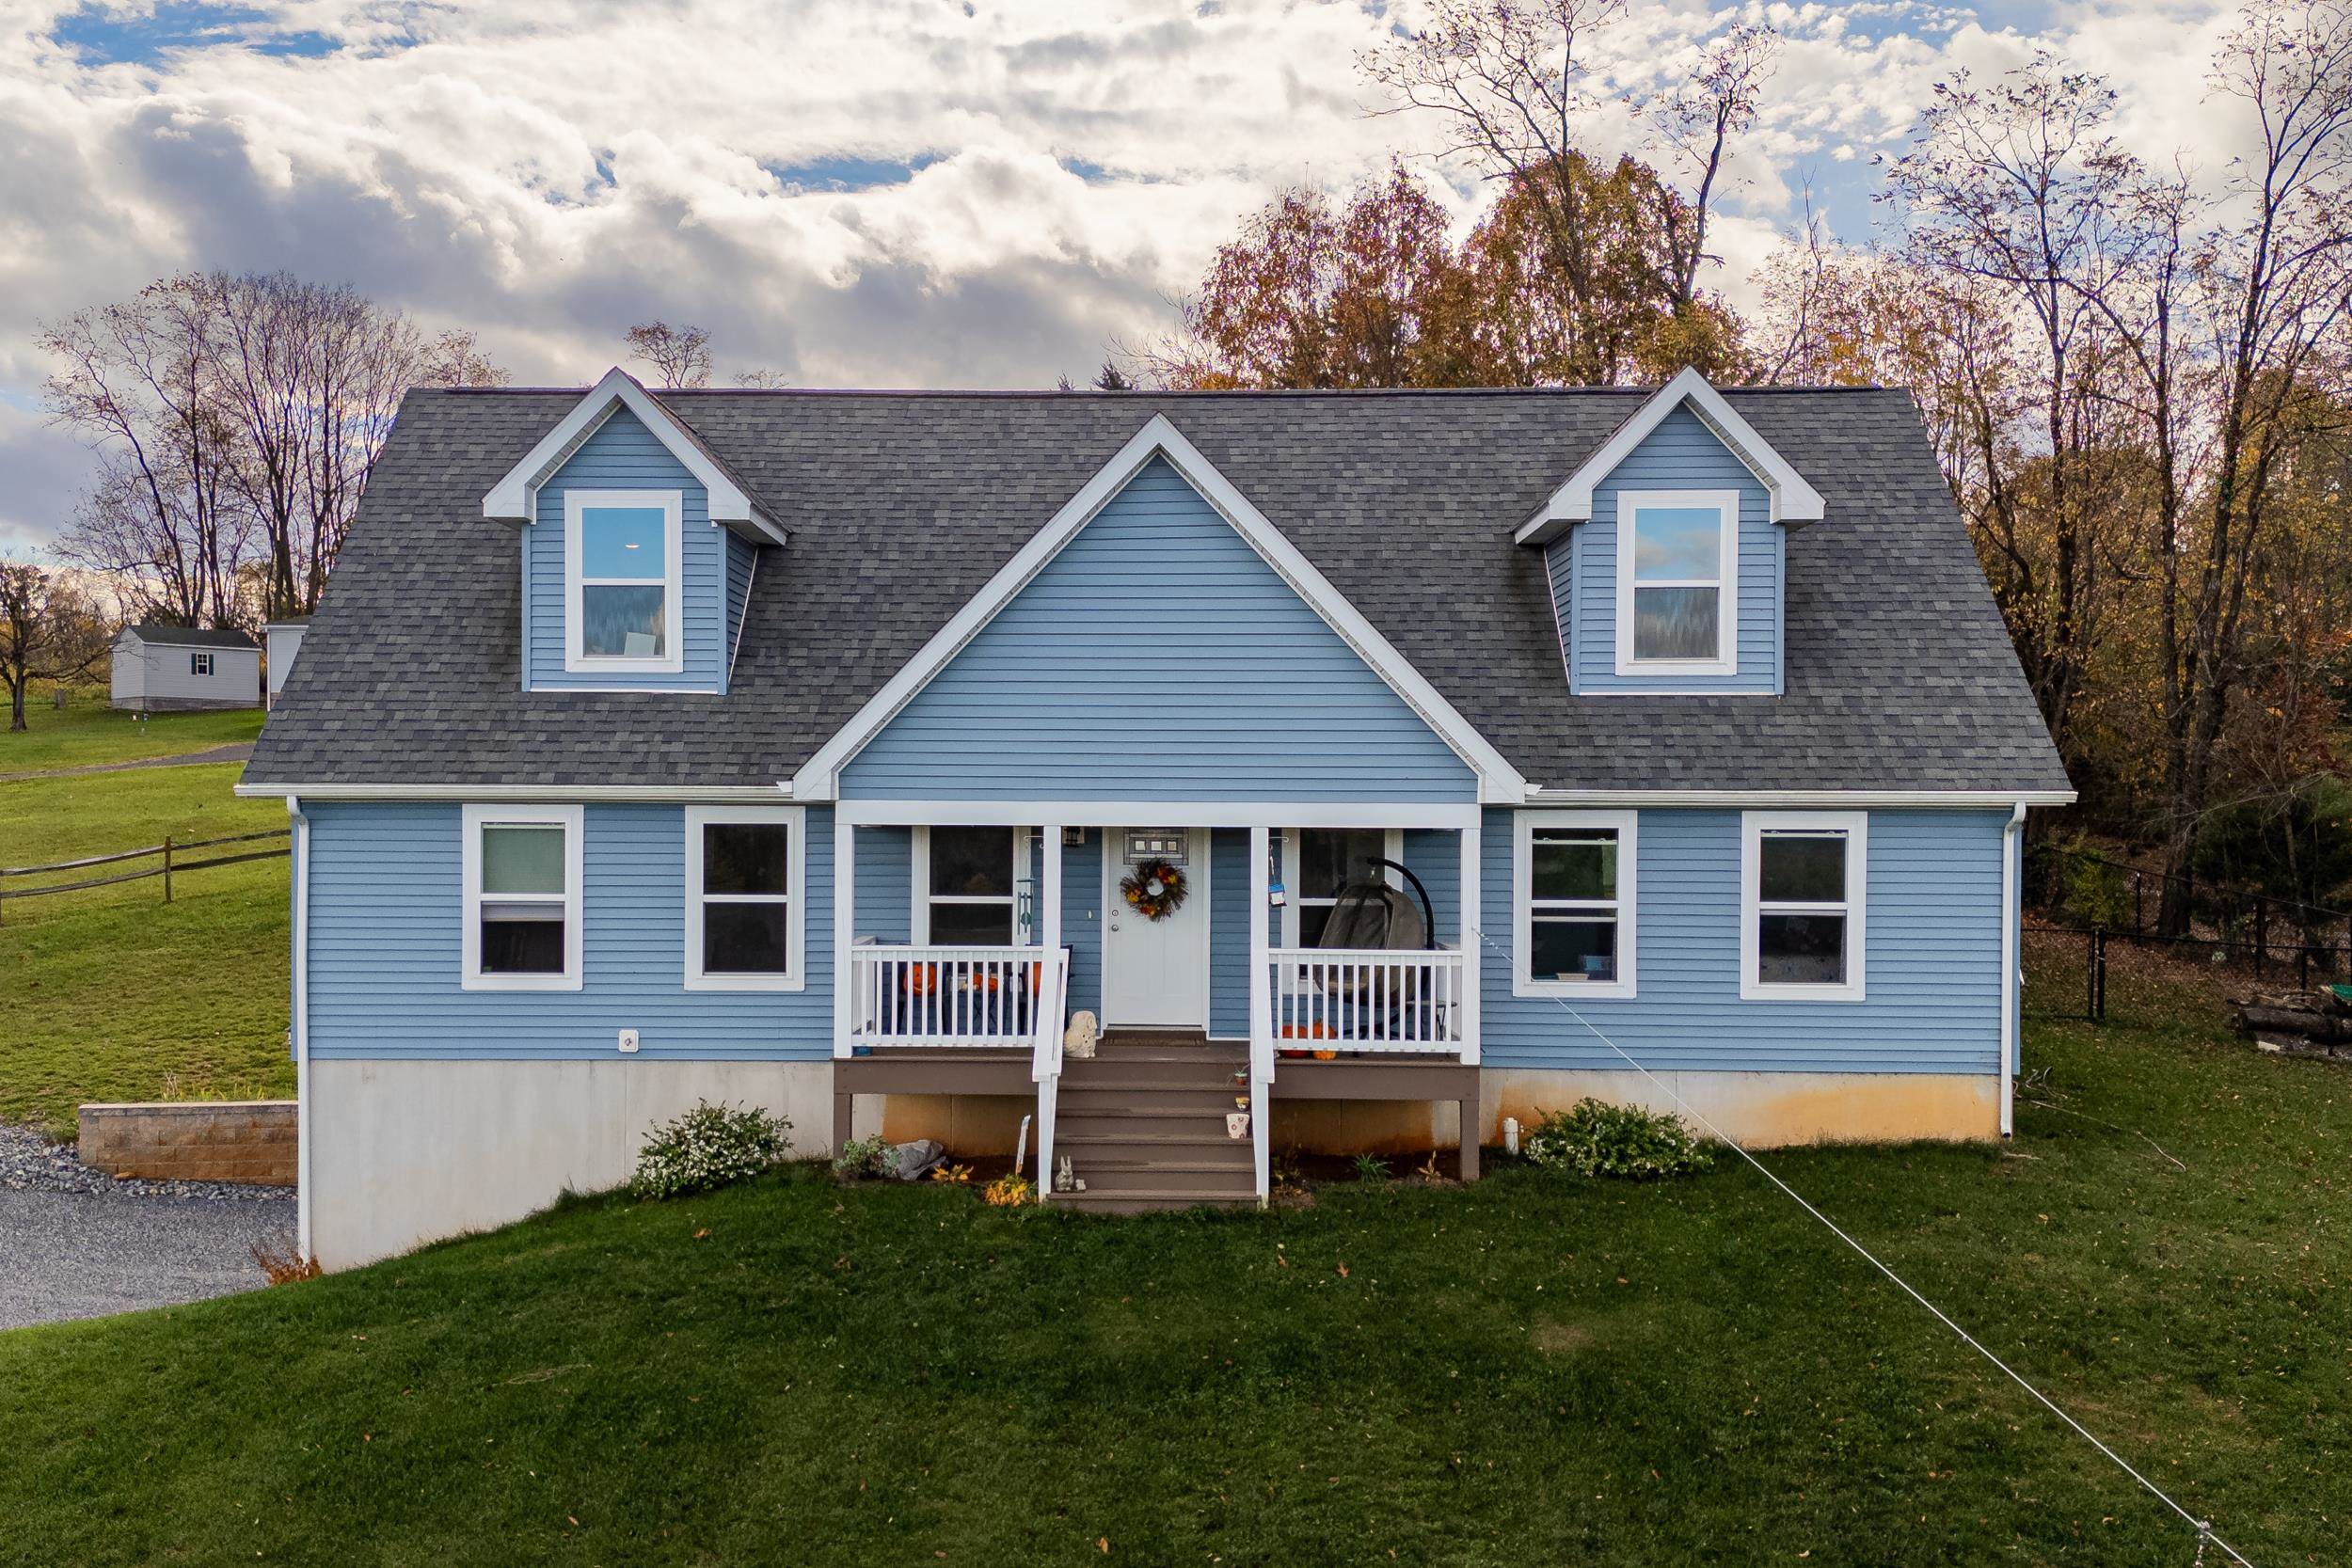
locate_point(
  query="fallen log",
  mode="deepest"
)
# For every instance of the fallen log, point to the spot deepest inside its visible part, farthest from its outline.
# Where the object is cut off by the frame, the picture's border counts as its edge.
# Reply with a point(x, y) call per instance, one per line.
point(2326, 1027)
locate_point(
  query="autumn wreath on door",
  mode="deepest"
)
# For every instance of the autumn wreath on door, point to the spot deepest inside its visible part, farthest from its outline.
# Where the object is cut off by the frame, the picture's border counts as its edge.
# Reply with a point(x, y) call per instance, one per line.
point(1154, 889)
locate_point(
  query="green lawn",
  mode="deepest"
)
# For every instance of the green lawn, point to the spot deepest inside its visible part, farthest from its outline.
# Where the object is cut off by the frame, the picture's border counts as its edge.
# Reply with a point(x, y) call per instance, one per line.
point(1533, 1370)
point(113, 994)
point(89, 731)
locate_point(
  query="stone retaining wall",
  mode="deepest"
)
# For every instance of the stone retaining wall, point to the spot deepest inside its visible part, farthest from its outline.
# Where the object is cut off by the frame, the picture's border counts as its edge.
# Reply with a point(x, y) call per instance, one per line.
point(230, 1140)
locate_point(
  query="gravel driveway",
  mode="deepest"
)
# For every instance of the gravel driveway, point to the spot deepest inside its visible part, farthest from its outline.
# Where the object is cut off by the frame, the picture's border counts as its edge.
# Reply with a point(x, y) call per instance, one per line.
point(77, 1243)
point(68, 1254)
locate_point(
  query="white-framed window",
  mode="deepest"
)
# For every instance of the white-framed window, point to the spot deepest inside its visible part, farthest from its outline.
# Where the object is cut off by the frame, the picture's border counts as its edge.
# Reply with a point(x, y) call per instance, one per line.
point(1678, 582)
point(200, 664)
point(1572, 902)
point(746, 906)
point(968, 884)
point(1318, 861)
point(623, 581)
point(522, 897)
point(1804, 877)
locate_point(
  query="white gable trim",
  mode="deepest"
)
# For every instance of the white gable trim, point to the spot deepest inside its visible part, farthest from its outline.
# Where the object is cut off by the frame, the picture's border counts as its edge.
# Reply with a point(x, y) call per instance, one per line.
point(515, 499)
point(1794, 501)
point(819, 778)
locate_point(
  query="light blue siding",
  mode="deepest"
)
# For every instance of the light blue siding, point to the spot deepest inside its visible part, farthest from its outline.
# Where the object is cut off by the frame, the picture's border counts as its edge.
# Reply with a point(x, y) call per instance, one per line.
point(1082, 920)
point(1932, 971)
point(624, 455)
point(1680, 454)
point(742, 563)
point(1229, 933)
point(1158, 658)
point(385, 934)
point(885, 907)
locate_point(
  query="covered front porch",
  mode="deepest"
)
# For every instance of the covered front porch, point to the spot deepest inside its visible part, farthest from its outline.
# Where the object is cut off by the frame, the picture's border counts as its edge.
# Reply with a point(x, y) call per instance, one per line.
point(970, 933)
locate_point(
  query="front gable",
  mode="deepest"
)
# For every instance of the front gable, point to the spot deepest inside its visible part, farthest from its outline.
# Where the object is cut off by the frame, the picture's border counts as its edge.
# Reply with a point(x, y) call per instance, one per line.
point(1158, 655)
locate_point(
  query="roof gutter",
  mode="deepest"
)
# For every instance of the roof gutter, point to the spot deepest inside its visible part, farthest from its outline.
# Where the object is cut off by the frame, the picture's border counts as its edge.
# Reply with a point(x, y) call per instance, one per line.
point(477, 792)
point(1939, 799)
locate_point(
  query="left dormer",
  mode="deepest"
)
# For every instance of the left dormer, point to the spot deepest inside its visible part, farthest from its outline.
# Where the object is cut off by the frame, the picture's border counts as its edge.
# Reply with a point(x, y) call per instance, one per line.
point(639, 549)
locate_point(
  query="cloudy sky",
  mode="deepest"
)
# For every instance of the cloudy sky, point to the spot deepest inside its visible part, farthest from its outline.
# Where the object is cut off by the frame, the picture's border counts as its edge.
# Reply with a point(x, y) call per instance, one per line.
point(849, 192)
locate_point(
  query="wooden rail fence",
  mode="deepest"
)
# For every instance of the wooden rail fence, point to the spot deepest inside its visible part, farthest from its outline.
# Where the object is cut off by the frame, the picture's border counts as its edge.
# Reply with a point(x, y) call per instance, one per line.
point(168, 853)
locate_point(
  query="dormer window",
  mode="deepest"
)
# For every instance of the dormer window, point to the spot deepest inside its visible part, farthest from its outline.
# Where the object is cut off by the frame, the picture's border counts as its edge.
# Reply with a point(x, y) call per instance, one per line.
point(1678, 582)
point(622, 553)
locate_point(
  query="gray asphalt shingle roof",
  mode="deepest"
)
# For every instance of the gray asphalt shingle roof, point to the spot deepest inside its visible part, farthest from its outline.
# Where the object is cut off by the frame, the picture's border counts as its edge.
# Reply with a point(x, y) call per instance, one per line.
point(192, 637)
point(901, 505)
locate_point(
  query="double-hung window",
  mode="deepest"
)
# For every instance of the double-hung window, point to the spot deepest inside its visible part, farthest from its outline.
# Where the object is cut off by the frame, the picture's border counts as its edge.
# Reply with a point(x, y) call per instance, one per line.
point(522, 905)
point(1318, 863)
point(968, 883)
point(1678, 582)
point(745, 923)
point(622, 570)
point(1803, 881)
point(1573, 906)
point(200, 664)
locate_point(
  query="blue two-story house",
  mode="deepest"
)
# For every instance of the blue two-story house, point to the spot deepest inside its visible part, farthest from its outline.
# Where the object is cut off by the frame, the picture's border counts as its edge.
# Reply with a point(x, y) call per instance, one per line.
point(1369, 767)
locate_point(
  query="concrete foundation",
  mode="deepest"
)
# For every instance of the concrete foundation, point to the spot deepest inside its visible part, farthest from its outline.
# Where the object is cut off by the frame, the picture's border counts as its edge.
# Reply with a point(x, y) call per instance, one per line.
point(1771, 1110)
point(407, 1152)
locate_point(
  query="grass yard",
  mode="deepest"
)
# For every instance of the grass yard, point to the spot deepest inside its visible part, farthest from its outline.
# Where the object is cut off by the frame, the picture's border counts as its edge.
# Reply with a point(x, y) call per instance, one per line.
point(112, 994)
point(86, 732)
point(1533, 1370)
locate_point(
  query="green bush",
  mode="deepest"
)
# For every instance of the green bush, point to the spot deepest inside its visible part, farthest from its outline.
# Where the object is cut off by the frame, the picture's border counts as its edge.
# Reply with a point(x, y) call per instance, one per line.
point(862, 1157)
point(710, 1145)
point(1599, 1139)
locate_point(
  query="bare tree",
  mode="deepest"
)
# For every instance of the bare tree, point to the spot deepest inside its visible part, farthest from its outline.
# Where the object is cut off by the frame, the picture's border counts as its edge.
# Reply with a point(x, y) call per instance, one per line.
point(680, 355)
point(50, 629)
point(164, 517)
point(2012, 186)
point(235, 419)
point(1509, 80)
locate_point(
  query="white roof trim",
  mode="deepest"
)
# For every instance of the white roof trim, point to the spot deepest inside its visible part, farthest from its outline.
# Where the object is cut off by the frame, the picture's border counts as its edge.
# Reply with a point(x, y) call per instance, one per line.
point(1801, 798)
point(1794, 501)
point(819, 778)
point(515, 499)
point(708, 794)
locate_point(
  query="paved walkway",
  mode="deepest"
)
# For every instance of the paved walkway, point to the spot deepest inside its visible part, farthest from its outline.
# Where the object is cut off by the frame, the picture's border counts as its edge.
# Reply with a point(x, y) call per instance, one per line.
point(67, 1255)
point(240, 752)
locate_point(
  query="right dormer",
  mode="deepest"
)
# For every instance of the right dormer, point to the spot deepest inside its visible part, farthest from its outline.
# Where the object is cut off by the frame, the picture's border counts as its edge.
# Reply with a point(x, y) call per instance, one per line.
point(1666, 555)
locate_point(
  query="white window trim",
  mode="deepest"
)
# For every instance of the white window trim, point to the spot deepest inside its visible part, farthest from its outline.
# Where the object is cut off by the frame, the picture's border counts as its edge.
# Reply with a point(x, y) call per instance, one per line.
point(1627, 827)
point(1726, 506)
point(1393, 847)
point(476, 817)
point(1855, 825)
point(793, 819)
point(672, 503)
point(919, 921)
point(200, 664)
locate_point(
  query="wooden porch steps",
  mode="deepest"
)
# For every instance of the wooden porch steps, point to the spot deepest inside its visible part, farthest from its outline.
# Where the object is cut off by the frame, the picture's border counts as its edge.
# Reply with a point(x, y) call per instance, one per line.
point(1143, 1122)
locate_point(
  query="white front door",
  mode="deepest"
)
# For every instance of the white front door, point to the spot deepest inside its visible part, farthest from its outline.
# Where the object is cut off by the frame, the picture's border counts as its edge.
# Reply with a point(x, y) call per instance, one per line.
point(1156, 973)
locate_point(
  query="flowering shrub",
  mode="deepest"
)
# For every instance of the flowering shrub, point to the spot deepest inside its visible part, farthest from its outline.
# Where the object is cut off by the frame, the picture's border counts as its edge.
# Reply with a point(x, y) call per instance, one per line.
point(1006, 1192)
point(1599, 1139)
point(709, 1147)
point(865, 1157)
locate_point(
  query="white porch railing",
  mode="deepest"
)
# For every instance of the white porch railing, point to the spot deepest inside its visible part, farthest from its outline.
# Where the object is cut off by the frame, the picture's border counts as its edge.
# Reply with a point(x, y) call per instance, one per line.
point(1339, 999)
point(953, 996)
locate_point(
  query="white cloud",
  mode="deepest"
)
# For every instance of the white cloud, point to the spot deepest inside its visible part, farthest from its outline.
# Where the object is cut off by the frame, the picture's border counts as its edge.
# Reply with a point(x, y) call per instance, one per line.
point(1026, 180)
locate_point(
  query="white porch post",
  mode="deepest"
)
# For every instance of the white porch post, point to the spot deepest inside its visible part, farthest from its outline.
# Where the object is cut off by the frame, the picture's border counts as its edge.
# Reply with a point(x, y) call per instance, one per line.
point(1473, 923)
point(1261, 1016)
point(844, 927)
point(1049, 889)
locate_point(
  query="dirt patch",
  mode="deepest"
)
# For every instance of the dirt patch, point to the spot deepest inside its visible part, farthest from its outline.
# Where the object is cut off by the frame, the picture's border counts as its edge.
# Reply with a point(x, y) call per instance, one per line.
point(1561, 1338)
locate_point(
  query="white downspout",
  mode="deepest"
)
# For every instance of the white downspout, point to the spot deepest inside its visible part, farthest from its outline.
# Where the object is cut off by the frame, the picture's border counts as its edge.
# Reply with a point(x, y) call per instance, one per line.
point(300, 1023)
point(2013, 916)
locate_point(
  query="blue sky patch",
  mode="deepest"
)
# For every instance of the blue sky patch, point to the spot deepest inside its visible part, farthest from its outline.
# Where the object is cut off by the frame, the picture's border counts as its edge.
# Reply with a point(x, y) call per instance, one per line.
point(846, 173)
point(102, 34)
